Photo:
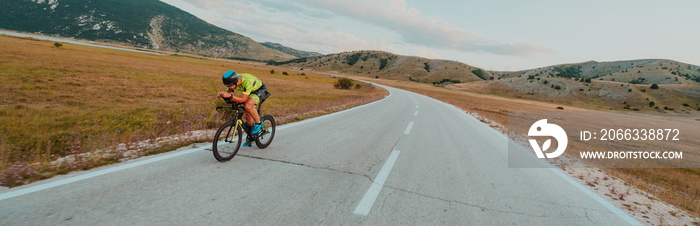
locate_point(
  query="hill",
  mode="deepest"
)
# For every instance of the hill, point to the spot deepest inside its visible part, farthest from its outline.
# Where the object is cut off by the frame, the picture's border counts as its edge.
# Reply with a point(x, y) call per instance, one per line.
point(649, 71)
point(620, 85)
point(290, 51)
point(148, 24)
point(379, 64)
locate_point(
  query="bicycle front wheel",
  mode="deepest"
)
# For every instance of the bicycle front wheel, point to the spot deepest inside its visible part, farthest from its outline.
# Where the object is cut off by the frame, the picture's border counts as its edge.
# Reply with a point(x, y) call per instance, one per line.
point(267, 132)
point(227, 141)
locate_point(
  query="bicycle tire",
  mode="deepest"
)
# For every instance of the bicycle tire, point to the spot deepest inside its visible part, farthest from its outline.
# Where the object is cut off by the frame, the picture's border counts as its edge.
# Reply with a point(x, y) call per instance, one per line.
point(267, 133)
point(227, 141)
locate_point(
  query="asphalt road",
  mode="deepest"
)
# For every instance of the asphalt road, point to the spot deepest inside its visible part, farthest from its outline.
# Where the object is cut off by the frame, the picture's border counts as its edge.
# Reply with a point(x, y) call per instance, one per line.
point(406, 159)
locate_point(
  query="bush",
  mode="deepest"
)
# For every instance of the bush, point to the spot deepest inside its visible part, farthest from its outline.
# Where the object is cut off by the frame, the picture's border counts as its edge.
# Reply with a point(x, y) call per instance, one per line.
point(58, 45)
point(343, 83)
point(382, 63)
point(285, 73)
point(654, 86)
point(479, 73)
point(352, 59)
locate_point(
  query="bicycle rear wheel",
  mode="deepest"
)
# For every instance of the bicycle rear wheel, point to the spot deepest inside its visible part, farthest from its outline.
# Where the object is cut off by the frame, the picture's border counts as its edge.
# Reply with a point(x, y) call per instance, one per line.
point(227, 141)
point(267, 133)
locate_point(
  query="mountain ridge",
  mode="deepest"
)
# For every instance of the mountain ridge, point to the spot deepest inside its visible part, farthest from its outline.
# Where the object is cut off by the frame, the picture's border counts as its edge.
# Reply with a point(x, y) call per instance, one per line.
point(641, 71)
point(381, 64)
point(291, 51)
point(149, 24)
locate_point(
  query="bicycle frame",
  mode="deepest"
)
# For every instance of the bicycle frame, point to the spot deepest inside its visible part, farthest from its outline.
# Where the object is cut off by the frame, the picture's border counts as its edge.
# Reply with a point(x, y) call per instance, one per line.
point(238, 111)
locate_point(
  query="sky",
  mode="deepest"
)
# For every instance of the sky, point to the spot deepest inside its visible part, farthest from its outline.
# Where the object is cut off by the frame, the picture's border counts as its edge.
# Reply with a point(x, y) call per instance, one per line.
point(502, 35)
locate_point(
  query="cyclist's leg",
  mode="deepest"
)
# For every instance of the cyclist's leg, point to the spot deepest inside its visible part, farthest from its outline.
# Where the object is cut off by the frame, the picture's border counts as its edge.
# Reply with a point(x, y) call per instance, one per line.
point(248, 118)
point(250, 109)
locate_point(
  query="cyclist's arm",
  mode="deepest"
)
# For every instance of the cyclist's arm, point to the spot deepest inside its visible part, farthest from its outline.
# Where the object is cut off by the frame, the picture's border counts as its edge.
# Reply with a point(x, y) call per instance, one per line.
point(239, 99)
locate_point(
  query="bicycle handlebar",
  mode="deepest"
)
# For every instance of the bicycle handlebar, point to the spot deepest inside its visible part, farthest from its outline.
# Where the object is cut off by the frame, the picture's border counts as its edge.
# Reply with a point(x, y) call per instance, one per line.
point(234, 105)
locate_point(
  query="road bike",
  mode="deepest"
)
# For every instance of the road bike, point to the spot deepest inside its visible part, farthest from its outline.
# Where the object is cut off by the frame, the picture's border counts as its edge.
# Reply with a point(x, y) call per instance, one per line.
point(227, 140)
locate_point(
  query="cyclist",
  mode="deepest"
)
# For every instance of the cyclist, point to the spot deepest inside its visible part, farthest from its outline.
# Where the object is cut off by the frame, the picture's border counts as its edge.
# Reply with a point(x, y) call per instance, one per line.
point(252, 89)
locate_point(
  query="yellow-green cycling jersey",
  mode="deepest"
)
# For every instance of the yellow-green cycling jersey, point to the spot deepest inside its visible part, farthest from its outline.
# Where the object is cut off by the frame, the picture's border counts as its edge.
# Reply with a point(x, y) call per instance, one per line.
point(249, 86)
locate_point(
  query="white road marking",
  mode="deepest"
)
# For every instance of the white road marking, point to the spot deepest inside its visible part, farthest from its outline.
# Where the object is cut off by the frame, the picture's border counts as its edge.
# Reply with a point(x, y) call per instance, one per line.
point(24, 191)
point(415, 113)
point(373, 192)
point(408, 128)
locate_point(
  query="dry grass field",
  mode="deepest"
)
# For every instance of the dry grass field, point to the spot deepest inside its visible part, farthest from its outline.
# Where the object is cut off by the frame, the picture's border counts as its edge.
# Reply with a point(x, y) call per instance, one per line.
point(677, 186)
point(57, 101)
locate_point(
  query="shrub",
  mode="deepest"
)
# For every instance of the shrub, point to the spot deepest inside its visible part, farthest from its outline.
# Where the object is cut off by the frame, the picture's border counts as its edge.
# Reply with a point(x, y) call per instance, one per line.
point(285, 73)
point(479, 73)
point(382, 63)
point(352, 59)
point(654, 86)
point(343, 83)
point(572, 71)
point(272, 71)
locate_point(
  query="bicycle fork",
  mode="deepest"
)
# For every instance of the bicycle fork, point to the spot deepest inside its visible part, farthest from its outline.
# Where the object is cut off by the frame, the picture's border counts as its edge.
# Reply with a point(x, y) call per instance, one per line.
point(233, 129)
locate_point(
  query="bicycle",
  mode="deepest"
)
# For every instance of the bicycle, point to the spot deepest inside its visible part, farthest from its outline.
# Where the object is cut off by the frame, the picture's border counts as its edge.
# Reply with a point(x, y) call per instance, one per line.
point(227, 140)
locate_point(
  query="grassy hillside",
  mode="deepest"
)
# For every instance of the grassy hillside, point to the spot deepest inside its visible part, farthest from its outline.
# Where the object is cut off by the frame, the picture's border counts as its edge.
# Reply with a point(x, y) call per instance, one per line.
point(621, 85)
point(59, 101)
point(650, 71)
point(593, 94)
point(379, 64)
point(142, 23)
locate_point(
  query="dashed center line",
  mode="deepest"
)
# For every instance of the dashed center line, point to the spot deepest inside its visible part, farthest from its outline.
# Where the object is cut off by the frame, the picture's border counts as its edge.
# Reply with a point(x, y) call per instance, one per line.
point(373, 192)
point(408, 128)
point(415, 113)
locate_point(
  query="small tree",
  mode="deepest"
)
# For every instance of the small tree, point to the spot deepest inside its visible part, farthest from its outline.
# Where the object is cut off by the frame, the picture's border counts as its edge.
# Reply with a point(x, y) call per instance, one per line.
point(343, 83)
point(272, 71)
point(654, 86)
